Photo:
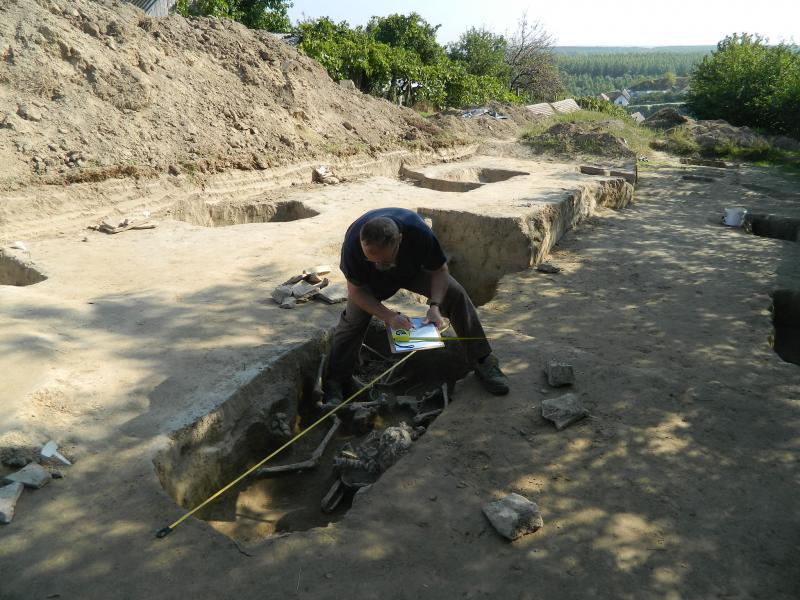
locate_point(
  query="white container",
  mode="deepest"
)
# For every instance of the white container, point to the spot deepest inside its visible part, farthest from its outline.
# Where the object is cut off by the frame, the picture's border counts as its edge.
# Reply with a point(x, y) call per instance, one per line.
point(734, 217)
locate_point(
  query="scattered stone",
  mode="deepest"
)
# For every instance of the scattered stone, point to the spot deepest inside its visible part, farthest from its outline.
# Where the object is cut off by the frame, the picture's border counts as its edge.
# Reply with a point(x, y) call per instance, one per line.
point(32, 475)
point(29, 113)
point(318, 270)
point(303, 290)
point(289, 302)
point(56, 475)
point(563, 411)
point(174, 170)
point(281, 293)
point(323, 175)
point(548, 268)
point(333, 293)
point(91, 28)
point(347, 84)
point(348, 125)
point(9, 494)
point(17, 458)
point(514, 516)
point(559, 374)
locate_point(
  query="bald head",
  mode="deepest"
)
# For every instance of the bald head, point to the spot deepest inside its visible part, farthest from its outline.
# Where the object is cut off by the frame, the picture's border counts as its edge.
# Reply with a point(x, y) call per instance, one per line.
point(379, 233)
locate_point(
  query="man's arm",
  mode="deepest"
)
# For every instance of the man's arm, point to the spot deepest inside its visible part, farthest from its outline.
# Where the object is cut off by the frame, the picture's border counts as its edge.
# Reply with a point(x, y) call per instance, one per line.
point(439, 282)
point(362, 297)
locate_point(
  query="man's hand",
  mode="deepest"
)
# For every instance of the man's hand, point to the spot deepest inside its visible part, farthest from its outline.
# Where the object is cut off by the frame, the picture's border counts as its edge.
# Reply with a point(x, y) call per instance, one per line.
point(399, 321)
point(434, 316)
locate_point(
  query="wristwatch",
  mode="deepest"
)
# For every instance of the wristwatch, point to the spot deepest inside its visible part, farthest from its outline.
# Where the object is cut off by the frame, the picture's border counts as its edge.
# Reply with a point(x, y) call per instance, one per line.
point(432, 303)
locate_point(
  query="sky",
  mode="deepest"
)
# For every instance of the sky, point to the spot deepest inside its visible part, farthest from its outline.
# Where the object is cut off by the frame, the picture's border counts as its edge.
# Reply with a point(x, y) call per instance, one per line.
point(585, 22)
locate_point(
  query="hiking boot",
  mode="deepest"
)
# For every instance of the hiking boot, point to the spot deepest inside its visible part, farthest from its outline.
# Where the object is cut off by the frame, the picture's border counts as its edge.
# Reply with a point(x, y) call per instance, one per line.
point(491, 376)
point(335, 392)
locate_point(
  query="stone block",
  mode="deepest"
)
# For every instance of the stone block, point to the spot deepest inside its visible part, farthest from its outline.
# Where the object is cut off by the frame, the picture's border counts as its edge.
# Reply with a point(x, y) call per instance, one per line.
point(514, 516)
point(559, 374)
point(305, 290)
point(563, 411)
point(33, 475)
point(9, 494)
point(629, 176)
point(589, 170)
point(281, 293)
point(548, 268)
point(333, 293)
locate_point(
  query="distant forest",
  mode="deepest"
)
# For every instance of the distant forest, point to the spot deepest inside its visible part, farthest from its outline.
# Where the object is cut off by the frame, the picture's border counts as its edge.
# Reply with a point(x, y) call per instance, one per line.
point(591, 70)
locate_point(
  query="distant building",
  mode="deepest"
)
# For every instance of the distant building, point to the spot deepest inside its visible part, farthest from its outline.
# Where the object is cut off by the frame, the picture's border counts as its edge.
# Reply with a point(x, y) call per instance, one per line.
point(622, 98)
point(638, 117)
point(603, 97)
point(155, 8)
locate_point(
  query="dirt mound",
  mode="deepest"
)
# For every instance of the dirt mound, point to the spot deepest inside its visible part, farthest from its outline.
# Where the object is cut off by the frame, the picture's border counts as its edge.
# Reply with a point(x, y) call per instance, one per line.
point(486, 124)
point(582, 138)
point(665, 118)
point(713, 133)
point(98, 89)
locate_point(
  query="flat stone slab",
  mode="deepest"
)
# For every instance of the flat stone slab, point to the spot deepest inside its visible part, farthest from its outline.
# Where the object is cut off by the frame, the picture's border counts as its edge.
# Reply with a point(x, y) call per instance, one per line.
point(560, 374)
point(514, 516)
point(33, 476)
point(564, 410)
point(9, 494)
point(333, 293)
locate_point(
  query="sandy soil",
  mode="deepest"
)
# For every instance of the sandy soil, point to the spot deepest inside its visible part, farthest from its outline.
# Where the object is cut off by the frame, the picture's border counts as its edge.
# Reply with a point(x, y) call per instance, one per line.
point(681, 484)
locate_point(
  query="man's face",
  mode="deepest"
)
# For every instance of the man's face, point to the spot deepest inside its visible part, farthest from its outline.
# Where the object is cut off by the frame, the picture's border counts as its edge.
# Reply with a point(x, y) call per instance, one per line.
point(382, 257)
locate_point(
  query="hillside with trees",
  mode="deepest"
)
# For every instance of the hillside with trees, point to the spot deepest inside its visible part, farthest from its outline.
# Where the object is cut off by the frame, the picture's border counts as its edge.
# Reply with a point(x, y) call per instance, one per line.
point(592, 70)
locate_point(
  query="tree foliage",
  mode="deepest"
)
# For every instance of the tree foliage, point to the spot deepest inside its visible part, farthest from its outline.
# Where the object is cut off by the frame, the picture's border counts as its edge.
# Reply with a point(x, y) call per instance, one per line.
point(531, 62)
point(397, 57)
point(411, 33)
point(747, 82)
point(271, 15)
point(482, 53)
point(590, 73)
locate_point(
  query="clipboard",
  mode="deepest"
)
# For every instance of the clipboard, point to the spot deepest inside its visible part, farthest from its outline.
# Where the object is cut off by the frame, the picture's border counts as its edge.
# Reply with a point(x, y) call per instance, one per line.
point(432, 337)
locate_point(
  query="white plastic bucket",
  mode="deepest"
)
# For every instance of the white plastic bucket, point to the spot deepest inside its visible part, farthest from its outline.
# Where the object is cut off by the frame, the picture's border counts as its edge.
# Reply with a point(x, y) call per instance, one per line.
point(734, 217)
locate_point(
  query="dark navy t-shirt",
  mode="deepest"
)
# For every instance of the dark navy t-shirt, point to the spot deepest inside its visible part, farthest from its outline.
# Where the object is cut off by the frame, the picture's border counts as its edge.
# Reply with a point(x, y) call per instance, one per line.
point(419, 249)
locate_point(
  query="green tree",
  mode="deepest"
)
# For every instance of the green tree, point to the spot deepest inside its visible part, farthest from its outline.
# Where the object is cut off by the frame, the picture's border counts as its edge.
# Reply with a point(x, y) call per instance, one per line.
point(409, 32)
point(482, 53)
point(397, 57)
point(271, 15)
point(748, 82)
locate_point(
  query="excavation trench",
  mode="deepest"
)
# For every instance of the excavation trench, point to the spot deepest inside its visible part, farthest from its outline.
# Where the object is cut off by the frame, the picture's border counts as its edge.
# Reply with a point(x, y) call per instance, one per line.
point(16, 270)
point(282, 399)
point(773, 226)
point(280, 402)
point(227, 213)
point(462, 179)
point(786, 320)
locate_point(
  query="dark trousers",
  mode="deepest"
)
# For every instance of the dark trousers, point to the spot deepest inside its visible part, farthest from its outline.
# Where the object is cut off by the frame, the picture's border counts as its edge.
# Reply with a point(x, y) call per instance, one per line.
point(457, 306)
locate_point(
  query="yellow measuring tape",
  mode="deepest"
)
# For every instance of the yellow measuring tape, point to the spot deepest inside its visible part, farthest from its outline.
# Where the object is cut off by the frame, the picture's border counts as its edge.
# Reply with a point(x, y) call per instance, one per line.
point(169, 528)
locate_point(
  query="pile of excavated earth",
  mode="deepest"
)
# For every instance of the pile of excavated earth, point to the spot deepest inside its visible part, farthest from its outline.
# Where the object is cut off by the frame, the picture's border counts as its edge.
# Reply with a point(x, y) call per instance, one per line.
point(173, 197)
